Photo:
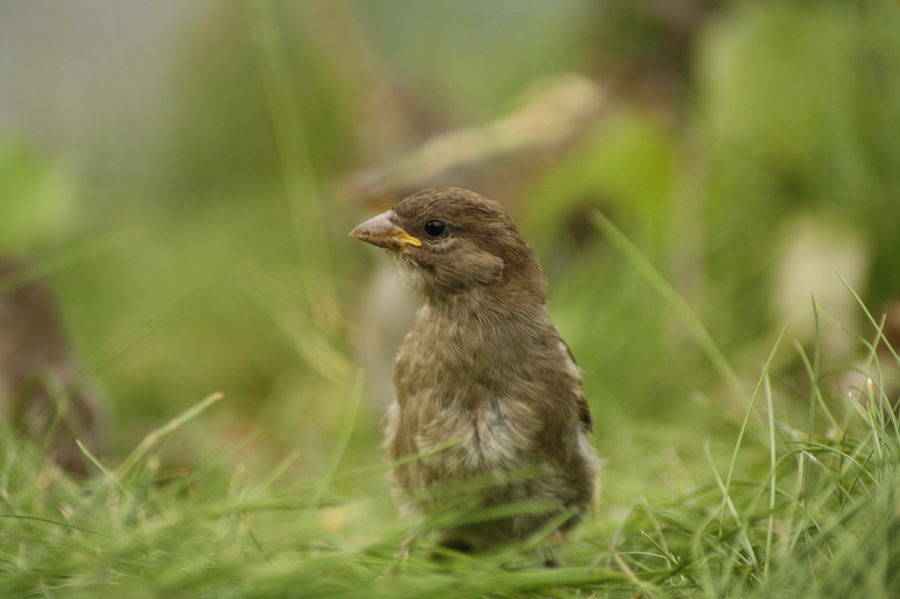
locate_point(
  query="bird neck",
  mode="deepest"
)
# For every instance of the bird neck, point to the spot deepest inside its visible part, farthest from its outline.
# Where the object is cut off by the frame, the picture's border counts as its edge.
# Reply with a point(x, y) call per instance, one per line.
point(522, 288)
point(494, 304)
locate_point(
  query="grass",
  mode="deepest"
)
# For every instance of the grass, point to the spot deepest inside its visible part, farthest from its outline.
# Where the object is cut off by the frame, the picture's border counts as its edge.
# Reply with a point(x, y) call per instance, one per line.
point(787, 513)
point(729, 474)
point(780, 503)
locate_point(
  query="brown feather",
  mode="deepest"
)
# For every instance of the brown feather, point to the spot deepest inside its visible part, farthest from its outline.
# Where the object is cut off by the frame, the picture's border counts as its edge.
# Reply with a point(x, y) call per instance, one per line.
point(487, 393)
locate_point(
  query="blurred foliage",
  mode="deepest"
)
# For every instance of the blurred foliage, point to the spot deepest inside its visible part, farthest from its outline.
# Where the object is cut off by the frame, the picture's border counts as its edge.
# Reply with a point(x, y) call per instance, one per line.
point(37, 197)
point(218, 260)
point(796, 103)
point(195, 240)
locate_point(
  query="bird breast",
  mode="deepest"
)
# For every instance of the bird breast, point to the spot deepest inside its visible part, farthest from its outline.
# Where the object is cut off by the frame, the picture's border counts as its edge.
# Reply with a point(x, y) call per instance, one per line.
point(466, 403)
point(464, 442)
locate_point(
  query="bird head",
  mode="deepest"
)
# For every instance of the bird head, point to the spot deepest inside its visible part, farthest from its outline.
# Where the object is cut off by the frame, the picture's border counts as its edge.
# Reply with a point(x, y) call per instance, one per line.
point(448, 241)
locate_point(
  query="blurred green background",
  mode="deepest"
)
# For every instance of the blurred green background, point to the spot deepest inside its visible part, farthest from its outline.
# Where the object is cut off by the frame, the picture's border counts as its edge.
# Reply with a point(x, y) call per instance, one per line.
point(183, 176)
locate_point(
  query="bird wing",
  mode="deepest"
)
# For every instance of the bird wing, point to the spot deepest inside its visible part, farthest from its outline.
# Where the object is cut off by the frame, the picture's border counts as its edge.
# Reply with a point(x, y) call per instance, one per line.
point(584, 412)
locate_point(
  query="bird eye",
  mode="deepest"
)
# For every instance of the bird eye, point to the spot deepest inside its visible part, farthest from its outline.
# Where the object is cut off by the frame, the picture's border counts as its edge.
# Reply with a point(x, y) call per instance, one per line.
point(435, 227)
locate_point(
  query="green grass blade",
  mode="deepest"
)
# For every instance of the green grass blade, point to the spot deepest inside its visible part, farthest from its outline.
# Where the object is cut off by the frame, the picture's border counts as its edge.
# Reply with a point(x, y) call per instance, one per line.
point(673, 299)
point(154, 437)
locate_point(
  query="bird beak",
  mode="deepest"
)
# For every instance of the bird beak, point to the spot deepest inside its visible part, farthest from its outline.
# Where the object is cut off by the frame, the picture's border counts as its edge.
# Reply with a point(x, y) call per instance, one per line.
point(382, 232)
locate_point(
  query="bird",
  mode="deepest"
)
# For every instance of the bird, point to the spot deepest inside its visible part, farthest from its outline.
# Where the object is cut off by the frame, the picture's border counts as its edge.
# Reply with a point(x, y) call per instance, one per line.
point(489, 431)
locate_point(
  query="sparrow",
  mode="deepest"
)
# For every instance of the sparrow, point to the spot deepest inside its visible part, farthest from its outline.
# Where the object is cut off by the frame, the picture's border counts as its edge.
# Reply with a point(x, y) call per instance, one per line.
point(489, 429)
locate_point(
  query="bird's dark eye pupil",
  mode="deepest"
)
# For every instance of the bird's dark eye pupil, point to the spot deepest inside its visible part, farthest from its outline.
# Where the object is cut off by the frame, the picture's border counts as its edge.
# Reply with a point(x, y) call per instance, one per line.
point(435, 227)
